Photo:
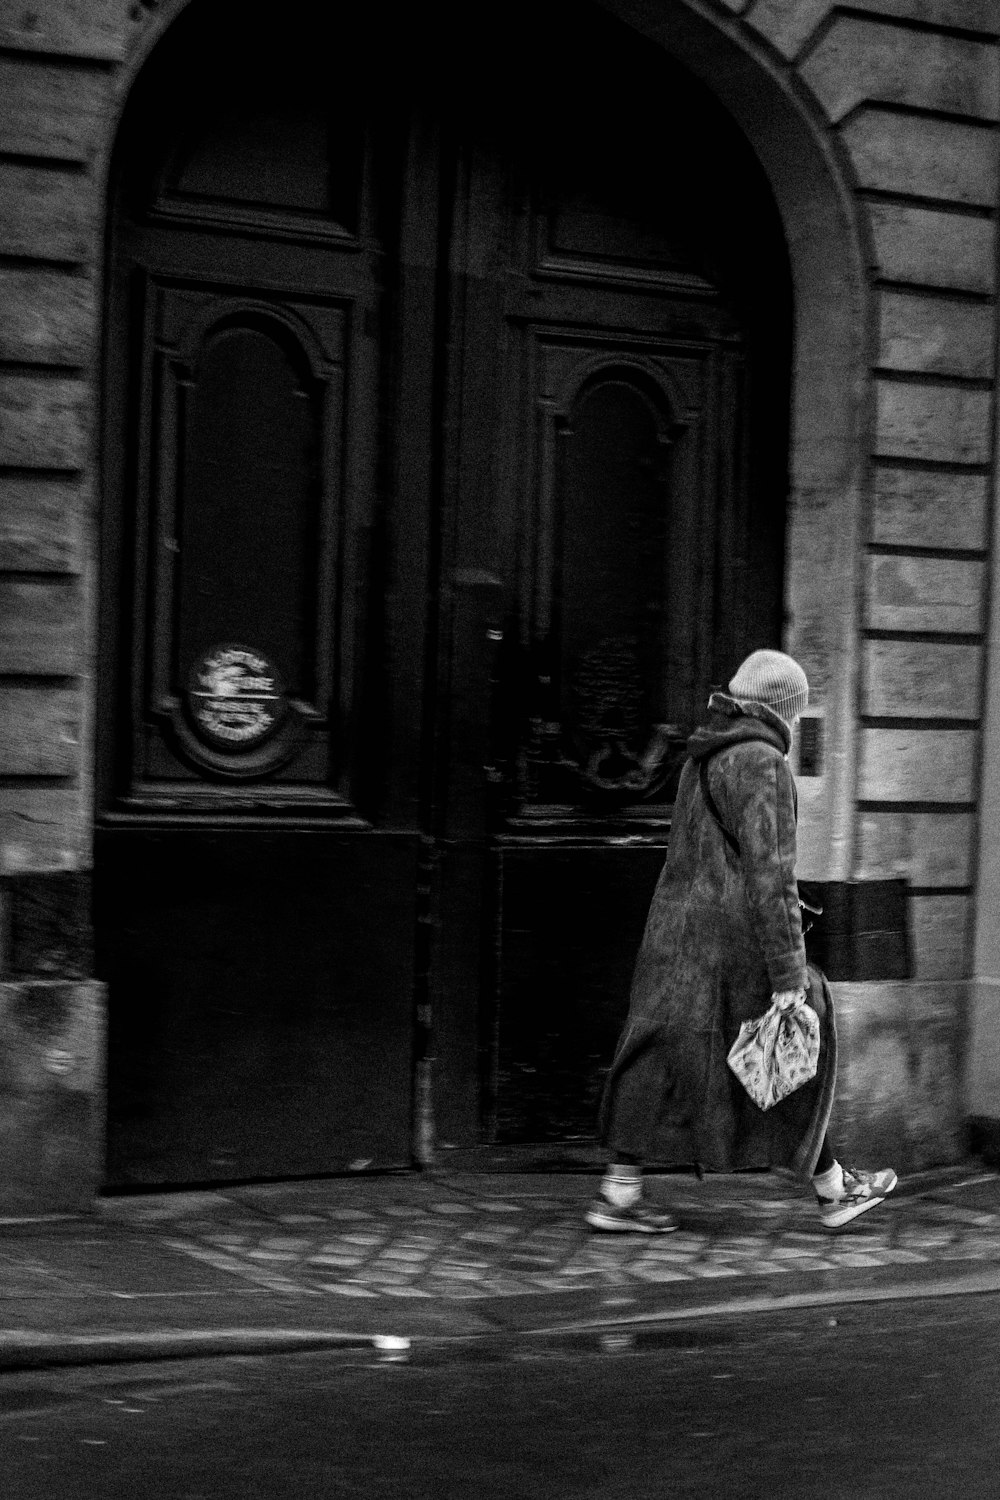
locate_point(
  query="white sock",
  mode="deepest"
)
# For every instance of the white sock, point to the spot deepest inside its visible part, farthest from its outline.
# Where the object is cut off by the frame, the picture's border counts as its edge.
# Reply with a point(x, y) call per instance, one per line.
point(830, 1184)
point(622, 1185)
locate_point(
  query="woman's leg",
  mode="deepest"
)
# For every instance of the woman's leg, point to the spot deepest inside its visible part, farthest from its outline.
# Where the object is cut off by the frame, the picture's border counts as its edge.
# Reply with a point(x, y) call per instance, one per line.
point(826, 1158)
point(631, 1106)
point(843, 1194)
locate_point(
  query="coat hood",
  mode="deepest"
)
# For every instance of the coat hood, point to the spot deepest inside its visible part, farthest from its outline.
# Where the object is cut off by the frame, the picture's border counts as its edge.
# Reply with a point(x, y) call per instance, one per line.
point(730, 723)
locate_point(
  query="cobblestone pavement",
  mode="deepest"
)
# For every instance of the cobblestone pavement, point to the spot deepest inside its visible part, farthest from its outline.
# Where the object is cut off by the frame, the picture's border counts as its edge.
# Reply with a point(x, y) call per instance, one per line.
point(463, 1239)
point(358, 1260)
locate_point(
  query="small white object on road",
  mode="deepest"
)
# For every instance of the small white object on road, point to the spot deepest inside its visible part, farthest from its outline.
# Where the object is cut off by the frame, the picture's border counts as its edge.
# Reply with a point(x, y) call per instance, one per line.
point(390, 1343)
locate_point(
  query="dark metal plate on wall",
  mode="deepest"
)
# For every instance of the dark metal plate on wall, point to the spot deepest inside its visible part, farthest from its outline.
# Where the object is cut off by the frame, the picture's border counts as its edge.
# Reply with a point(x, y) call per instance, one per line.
point(863, 930)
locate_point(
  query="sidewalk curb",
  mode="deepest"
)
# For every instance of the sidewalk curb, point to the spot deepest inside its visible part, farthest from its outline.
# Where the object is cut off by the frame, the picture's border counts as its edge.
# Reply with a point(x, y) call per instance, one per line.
point(26, 1351)
point(977, 1283)
point(29, 1351)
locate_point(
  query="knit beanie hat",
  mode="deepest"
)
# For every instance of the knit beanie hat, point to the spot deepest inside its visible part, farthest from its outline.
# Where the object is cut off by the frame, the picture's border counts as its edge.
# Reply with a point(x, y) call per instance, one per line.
point(772, 678)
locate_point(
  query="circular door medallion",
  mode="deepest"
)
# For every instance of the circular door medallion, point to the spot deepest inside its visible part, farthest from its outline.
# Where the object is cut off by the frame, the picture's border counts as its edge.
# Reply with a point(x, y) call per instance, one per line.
point(234, 698)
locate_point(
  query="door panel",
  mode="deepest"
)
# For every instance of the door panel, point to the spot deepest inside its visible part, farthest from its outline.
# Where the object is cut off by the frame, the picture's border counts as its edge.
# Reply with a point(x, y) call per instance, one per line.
point(261, 1012)
point(614, 485)
point(570, 921)
point(247, 422)
point(259, 885)
point(616, 604)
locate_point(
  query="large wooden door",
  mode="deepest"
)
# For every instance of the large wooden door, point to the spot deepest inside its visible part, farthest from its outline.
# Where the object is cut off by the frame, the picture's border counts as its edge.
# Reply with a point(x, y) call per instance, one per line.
point(266, 575)
point(615, 483)
point(446, 410)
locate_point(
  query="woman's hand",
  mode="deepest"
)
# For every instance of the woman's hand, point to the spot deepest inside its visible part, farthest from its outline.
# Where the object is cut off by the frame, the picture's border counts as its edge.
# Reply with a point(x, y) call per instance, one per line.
point(788, 998)
point(813, 997)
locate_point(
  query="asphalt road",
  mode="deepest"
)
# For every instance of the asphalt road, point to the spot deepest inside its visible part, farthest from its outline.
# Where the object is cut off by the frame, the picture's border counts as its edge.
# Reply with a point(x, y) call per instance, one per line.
point(885, 1400)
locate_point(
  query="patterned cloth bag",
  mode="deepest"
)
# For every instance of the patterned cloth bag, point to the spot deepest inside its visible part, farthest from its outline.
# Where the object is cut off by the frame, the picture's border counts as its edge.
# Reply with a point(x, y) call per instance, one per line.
point(776, 1053)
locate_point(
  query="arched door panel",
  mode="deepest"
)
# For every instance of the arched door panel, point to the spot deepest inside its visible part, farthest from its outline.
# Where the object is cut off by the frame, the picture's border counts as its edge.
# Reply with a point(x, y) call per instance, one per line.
point(246, 415)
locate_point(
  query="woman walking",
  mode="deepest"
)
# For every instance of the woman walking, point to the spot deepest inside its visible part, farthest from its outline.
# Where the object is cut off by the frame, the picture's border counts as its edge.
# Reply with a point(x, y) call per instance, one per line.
point(723, 939)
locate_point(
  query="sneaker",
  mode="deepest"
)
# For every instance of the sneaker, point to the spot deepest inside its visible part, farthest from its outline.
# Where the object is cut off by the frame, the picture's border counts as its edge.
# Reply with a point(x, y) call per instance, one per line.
point(638, 1218)
point(862, 1191)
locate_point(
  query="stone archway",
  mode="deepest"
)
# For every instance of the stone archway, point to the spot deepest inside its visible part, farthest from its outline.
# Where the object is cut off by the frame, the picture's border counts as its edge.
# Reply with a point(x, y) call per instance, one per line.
point(680, 341)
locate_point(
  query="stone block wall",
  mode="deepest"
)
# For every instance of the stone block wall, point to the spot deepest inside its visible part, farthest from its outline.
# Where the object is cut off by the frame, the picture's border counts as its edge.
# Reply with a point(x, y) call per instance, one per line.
point(51, 1095)
point(56, 91)
point(911, 91)
point(900, 1055)
point(905, 94)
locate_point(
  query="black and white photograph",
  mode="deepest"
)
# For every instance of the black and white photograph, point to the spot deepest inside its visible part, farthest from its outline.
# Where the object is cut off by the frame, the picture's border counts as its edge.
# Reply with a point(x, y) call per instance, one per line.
point(499, 750)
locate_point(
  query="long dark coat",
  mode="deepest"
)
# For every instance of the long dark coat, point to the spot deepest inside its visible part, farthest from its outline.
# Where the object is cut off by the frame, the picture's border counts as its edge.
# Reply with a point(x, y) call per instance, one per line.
point(724, 931)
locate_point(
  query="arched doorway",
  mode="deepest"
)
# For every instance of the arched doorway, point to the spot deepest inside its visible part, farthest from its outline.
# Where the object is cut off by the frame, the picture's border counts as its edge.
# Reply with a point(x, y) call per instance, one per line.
point(446, 451)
